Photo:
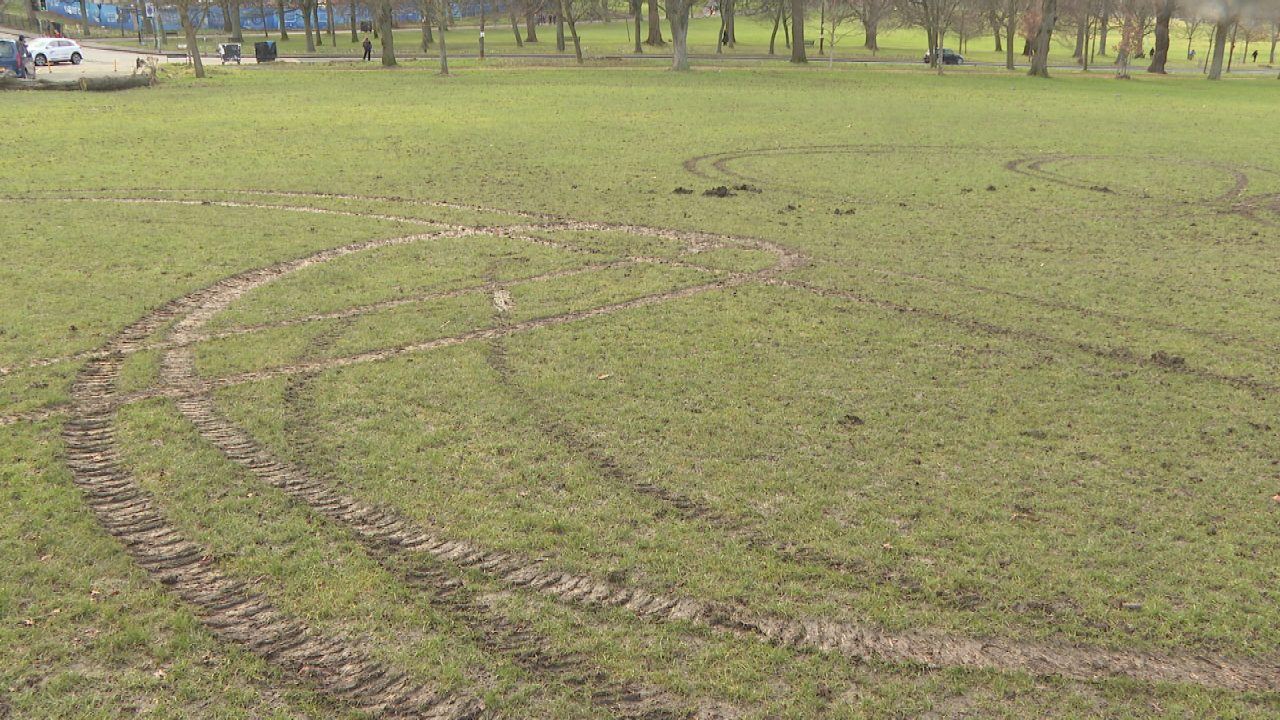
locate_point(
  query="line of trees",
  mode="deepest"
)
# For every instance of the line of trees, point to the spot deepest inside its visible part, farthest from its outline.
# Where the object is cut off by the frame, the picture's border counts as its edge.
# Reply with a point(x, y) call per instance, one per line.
point(1117, 31)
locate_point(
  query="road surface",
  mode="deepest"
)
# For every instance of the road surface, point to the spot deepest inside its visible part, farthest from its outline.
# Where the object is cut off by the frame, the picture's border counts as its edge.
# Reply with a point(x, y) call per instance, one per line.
point(98, 62)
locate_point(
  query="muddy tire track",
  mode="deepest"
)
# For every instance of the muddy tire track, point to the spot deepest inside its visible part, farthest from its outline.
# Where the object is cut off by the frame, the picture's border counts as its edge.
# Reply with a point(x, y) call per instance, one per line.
point(229, 608)
point(1231, 200)
point(1157, 362)
point(609, 467)
point(486, 627)
point(390, 529)
point(850, 639)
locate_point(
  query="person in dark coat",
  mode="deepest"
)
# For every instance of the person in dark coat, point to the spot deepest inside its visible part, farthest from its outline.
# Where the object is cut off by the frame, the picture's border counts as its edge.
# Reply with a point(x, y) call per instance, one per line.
point(368, 49)
point(22, 68)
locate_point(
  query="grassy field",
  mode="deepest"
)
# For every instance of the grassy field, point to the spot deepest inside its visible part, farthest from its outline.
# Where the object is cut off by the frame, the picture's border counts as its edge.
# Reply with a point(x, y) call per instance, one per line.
point(614, 38)
point(961, 403)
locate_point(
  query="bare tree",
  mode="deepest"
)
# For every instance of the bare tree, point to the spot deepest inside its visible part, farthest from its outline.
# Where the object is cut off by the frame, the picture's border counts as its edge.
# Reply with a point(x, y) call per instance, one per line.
point(443, 16)
point(284, 31)
point(189, 30)
point(655, 26)
point(385, 11)
point(1005, 14)
point(1225, 16)
point(871, 13)
point(1130, 32)
point(935, 16)
point(1160, 52)
point(678, 16)
point(568, 14)
point(426, 9)
point(637, 12)
point(1044, 33)
point(797, 32)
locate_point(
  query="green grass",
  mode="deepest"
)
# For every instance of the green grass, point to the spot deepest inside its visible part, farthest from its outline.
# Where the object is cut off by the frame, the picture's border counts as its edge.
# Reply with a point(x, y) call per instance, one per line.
point(1019, 469)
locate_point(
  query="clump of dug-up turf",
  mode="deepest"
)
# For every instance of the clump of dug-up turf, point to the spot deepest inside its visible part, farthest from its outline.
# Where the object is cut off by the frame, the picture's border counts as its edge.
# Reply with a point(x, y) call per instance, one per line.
point(1164, 359)
point(719, 191)
point(682, 191)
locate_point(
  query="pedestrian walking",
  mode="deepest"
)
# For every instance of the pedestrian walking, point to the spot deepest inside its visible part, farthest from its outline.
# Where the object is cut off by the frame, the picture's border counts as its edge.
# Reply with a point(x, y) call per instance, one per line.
point(1255, 56)
point(22, 69)
point(368, 49)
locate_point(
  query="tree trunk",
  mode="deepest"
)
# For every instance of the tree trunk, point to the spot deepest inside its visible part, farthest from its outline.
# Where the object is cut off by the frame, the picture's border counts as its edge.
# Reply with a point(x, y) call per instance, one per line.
point(637, 11)
point(1219, 47)
point(1040, 45)
point(655, 26)
point(777, 20)
point(444, 23)
point(1104, 24)
point(315, 9)
point(1275, 36)
point(262, 13)
point(284, 33)
point(1231, 56)
point(426, 28)
point(728, 14)
point(237, 32)
point(678, 16)
point(515, 25)
point(530, 25)
point(84, 17)
point(566, 17)
point(355, 37)
point(388, 37)
point(871, 30)
point(1010, 28)
point(193, 50)
point(1079, 50)
point(333, 31)
point(1160, 54)
point(797, 32)
point(306, 27)
point(996, 31)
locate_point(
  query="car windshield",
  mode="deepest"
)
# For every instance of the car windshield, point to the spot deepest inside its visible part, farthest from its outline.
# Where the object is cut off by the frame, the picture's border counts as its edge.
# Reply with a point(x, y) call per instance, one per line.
point(8, 49)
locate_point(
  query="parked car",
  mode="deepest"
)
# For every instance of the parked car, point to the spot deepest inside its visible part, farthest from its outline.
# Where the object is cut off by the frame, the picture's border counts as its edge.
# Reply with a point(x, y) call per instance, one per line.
point(949, 57)
point(47, 51)
point(8, 57)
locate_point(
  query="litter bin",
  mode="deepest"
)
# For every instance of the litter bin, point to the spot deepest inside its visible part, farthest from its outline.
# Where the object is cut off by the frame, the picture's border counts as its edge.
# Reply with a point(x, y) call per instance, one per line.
point(265, 51)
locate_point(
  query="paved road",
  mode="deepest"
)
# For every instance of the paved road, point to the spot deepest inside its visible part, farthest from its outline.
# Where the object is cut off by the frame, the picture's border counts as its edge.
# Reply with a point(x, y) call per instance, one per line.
point(98, 62)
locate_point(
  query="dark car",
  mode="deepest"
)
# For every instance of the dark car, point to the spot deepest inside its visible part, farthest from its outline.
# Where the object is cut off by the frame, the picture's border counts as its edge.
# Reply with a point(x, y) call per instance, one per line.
point(949, 57)
point(8, 57)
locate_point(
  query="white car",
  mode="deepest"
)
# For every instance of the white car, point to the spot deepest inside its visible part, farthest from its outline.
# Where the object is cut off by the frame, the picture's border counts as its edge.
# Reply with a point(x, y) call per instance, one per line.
point(47, 51)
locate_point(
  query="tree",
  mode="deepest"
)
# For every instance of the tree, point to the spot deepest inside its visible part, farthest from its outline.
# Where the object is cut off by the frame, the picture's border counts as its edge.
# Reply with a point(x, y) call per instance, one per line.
point(1005, 14)
point(1130, 34)
point(935, 16)
point(284, 32)
point(444, 50)
point(655, 27)
point(1190, 28)
point(351, 7)
point(678, 16)
point(307, 6)
point(189, 30)
point(1160, 53)
point(870, 13)
point(385, 11)
point(84, 17)
point(425, 9)
point(637, 12)
point(515, 24)
point(237, 31)
point(568, 15)
point(797, 32)
point(1044, 33)
point(1225, 17)
point(530, 21)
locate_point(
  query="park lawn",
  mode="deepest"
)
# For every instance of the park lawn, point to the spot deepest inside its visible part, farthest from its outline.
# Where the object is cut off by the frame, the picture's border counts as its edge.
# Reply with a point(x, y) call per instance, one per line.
point(1038, 412)
point(600, 39)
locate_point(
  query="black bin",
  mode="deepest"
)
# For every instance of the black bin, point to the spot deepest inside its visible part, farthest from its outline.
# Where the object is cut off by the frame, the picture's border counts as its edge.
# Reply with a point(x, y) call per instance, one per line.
point(265, 51)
